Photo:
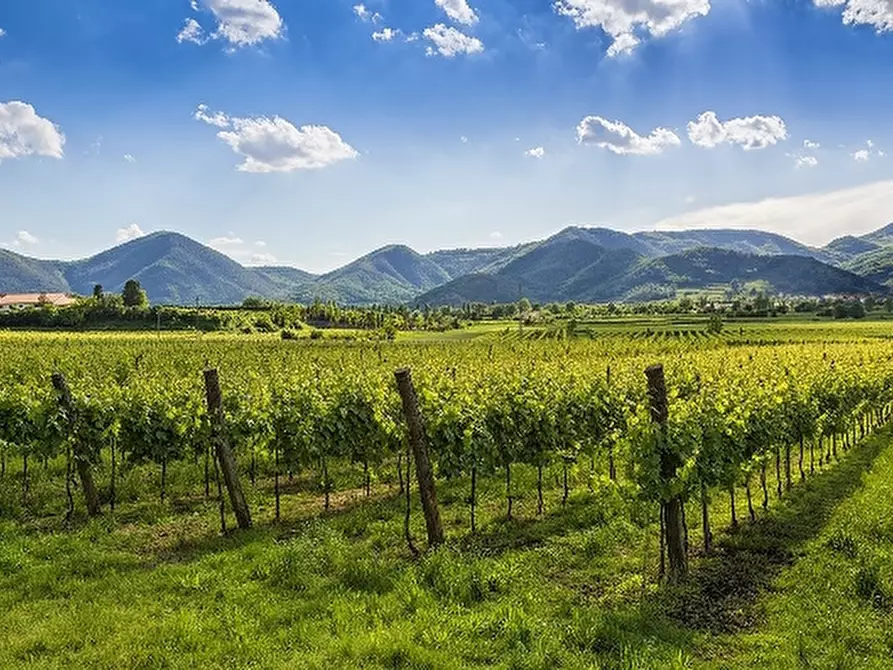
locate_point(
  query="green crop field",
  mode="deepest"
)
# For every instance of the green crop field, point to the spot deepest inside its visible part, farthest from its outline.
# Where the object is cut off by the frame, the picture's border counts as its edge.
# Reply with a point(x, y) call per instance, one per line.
point(560, 492)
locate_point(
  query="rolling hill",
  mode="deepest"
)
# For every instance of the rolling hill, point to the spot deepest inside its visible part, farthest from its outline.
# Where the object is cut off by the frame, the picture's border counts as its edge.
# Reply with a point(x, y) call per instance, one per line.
point(577, 263)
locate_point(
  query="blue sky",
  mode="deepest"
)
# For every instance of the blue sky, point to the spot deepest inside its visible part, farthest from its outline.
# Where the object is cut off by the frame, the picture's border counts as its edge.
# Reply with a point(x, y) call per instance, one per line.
point(309, 132)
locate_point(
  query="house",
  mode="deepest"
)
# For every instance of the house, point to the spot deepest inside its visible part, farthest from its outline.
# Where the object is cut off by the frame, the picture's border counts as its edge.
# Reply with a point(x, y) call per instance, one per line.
point(11, 301)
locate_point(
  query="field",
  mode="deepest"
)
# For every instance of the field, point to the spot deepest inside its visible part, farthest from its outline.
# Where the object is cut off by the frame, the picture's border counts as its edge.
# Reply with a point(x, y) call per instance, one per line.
point(549, 474)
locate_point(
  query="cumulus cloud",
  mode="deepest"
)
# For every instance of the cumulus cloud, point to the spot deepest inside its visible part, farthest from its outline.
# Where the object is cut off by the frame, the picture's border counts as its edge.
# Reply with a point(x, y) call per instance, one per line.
point(239, 22)
point(2, 32)
point(625, 20)
point(617, 137)
point(536, 152)
point(363, 12)
point(385, 35)
point(276, 145)
point(217, 119)
point(813, 219)
point(864, 155)
point(192, 32)
point(24, 133)
point(22, 238)
point(131, 232)
point(262, 259)
point(805, 161)
point(449, 42)
point(129, 158)
point(752, 132)
point(809, 144)
point(459, 11)
point(875, 13)
point(463, 139)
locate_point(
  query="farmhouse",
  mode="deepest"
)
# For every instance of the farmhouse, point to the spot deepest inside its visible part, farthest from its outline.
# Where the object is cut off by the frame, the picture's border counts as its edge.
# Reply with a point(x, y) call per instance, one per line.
point(11, 301)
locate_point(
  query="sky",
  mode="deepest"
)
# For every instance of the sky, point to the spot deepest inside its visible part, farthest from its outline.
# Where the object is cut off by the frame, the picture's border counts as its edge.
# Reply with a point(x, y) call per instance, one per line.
point(310, 132)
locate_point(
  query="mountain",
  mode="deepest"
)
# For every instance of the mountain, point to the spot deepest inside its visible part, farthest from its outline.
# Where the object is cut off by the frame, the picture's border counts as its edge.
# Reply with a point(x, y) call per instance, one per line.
point(883, 237)
point(622, 275)
point(758, 242)
point(172, 268)
point(394, 274)
point(848, 247)
point(459, 262)
point(20, 274)
point(875, 265)
point(700, 268)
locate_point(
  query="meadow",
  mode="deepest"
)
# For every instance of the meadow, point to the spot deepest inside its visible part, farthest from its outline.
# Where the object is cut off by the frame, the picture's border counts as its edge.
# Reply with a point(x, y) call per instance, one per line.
point(548, 482)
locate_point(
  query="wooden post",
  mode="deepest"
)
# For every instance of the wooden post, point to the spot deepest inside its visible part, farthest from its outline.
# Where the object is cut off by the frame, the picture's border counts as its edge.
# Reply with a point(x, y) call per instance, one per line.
point(82, 463)
point(225, 458)
point(669, 463)
point(419, 444)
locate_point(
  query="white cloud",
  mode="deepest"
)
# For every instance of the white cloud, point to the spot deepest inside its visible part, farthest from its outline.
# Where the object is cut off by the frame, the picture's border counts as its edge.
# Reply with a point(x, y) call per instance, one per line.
point(805, 161)
point(752, 132)
point(623, 19)
point(239, 22)
point(619, 138)
point(536, 152)
point(241, 251)
point(363, 12)
point(495, 235)
point(192, 32)
point(875, 13)
point(24, 133)
point(129, 158)
point(385, 35)
point(808, 144)
point(2, 32)
point(813, 219)
point(224, 242)
point(689, 199)
point(23, 238)
point(459, 11)
point(275, 145)
point(863, 155)
point(217, 119)
point(131, 232)
point(463, 139)
point(450, 42)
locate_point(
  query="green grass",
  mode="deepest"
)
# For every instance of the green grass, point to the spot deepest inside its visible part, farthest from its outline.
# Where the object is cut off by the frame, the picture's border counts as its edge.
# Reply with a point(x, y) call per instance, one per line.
point(809, 585)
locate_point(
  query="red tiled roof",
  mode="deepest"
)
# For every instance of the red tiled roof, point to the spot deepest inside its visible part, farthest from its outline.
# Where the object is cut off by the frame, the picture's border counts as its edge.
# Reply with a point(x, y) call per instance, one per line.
point(58, 299)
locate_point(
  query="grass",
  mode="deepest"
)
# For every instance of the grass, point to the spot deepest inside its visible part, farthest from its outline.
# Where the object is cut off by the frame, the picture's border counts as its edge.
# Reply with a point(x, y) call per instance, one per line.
point(809, 585)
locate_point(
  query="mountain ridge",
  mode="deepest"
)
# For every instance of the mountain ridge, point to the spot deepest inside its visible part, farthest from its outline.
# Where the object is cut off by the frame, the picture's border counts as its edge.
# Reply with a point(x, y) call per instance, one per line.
point(576, 263)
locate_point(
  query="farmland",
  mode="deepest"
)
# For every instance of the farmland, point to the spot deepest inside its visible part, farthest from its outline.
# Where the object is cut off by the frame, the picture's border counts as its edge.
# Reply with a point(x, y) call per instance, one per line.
point(549, 478)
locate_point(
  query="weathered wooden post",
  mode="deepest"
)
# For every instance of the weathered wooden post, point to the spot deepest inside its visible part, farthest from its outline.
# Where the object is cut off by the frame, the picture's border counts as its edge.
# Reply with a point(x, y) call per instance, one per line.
point(669, 463)
point(419, 444)
point(81, 460)
point(224, 454)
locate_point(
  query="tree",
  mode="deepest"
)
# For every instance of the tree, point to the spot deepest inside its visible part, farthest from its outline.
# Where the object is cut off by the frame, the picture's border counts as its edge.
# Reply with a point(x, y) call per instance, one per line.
point(134, 295)
point(97, 291)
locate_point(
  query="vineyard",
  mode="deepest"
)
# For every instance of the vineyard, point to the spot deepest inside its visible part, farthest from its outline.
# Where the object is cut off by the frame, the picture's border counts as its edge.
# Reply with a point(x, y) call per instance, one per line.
point(542, 450)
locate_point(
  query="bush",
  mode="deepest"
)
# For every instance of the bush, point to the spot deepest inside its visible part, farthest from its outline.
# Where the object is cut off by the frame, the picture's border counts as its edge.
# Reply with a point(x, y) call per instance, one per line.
point(287, 334)
point(316, 334)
